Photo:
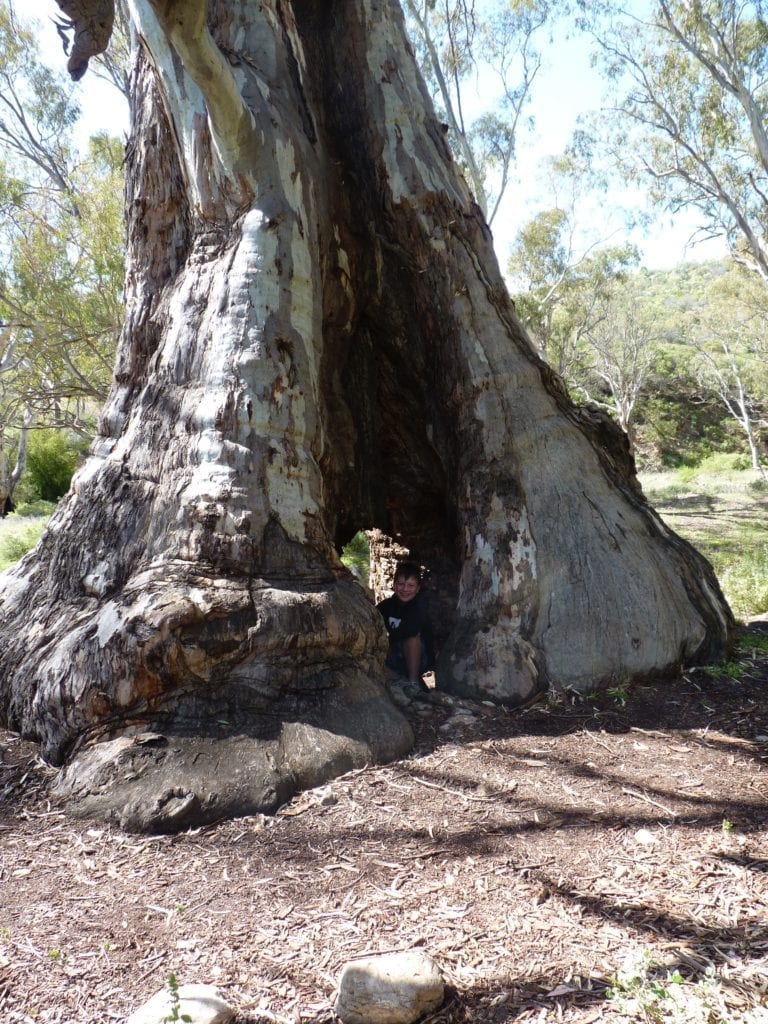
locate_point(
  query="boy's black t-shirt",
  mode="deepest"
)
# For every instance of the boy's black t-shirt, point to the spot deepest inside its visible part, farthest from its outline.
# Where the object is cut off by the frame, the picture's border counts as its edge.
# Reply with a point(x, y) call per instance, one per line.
point(405, 619)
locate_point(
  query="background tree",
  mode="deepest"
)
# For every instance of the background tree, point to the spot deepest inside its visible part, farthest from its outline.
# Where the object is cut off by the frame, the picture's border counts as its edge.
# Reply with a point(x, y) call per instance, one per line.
point(621, 352)
point(677, 421)
point(456, 42)
point(14, 427)
point(566, 292)
point(61, 289)
point(692, 119)
point(317, 340)
point(61, 251)
point(560, 269)
point(730, 335)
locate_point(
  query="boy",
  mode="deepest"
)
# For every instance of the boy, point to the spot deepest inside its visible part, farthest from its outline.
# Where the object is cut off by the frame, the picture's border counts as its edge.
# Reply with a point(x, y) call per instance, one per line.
point(407, 623)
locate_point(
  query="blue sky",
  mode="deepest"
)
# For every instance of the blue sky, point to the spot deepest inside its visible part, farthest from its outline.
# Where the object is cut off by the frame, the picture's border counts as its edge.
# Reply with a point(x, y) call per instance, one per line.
point(566, 88)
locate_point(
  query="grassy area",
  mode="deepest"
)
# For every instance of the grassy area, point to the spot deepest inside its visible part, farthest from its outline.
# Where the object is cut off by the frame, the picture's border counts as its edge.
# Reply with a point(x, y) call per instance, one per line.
point(722, 512)
point(19, 536)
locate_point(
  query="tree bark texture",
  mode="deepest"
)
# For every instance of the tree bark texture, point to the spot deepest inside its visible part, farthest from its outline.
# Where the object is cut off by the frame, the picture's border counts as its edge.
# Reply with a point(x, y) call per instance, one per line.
point(318, 340)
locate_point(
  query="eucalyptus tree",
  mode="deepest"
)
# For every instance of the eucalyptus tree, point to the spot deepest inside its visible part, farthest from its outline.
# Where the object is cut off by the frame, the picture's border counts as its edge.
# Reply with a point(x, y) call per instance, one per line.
point(692, 82)
point(561, 268)
point(15, 421)
point(37, 110)
point(61, 290)
point(35, 118)
point(317, 340)
point(460, 43)
point(61, 250)
point(730, 335)
point(566, 293)
point(621, 350)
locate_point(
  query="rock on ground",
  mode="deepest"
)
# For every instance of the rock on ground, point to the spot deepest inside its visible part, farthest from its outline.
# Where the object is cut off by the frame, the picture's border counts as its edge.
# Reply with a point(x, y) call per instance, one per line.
point(198, 1004)
point(394, 988)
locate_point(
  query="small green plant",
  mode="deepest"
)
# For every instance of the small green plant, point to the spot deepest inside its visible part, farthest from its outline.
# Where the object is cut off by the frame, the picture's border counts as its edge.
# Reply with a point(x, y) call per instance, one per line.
point(727, 827)
point(685, 474)
point(643, 990)
point(56, 956)
point(733, 669)
point(619, 693)
point(752, 644)
point(5, 934)
point(175, 1013)
point(555, 699)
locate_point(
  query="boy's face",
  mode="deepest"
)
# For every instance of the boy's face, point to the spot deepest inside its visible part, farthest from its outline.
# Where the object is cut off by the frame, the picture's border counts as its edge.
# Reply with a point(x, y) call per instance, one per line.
point(406, 588)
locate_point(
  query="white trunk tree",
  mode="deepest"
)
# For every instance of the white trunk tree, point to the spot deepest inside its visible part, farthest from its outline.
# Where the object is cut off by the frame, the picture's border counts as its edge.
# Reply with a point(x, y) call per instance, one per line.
point(317, 340)
point(725, 378)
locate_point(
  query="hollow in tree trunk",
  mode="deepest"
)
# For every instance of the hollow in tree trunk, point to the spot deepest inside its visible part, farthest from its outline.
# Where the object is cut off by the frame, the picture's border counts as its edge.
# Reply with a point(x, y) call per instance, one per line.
point(317, 340)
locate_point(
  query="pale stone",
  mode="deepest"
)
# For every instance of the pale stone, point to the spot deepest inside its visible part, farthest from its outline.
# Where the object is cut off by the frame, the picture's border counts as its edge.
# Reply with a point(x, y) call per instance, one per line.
point(645, 837)
point(201, 1004)
point(394, 988)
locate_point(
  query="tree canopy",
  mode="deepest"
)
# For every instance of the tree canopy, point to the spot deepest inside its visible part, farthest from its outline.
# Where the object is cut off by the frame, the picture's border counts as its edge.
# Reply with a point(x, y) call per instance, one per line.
point(61, 248)
point(458, 44)
point(691, 81)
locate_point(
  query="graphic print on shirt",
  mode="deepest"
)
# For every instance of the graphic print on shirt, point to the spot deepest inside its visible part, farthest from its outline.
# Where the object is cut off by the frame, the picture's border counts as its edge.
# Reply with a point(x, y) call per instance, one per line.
point(394, 623)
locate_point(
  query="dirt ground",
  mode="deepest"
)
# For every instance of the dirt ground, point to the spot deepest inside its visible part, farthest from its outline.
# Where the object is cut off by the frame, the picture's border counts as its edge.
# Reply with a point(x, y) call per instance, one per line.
point(530, 852)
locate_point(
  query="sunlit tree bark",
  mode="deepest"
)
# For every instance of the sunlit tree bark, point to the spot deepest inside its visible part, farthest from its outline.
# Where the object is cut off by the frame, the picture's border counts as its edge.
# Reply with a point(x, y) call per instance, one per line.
point(317, 340)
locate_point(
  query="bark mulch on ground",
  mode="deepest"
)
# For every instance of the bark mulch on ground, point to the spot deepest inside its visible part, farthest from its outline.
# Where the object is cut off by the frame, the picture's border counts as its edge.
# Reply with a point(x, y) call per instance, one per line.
point(534, 854)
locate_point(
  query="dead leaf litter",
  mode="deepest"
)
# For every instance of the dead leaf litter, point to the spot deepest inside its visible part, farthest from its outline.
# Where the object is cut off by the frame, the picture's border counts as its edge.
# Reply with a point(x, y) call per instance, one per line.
point(531, 853)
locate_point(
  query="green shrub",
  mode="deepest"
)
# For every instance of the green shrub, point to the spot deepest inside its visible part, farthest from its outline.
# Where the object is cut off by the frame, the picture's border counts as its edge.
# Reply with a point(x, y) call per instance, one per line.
point(676, 429)
point(685, 474)
point(18, 540)
point(51, 461)
point(35, 507)
point(356, 556)
point(715, 464)
point(723, 462)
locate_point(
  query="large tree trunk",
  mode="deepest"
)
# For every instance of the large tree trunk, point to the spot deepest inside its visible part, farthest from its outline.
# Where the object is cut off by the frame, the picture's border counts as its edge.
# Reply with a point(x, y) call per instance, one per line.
point(318, 340)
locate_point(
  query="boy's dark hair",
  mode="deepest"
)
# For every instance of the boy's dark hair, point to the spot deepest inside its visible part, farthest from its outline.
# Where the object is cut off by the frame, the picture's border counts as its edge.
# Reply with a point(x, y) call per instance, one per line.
point(407, 571)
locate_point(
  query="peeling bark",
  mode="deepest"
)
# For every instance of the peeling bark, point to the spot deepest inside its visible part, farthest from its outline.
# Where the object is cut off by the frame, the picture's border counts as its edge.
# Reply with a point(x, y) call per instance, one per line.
point(91, 23)
point(318, 340)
